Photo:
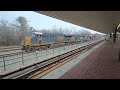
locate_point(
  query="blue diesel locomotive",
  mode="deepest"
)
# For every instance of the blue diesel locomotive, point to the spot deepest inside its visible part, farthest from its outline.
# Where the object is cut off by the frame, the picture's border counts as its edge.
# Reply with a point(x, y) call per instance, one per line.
point(37, 40)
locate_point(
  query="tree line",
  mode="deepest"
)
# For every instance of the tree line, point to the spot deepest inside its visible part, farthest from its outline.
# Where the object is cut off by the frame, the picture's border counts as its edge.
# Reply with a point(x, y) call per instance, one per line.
point(12, 34)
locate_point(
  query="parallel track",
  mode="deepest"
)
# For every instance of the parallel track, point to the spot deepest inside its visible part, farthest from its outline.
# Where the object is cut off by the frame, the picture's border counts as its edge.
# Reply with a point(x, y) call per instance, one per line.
point(6, 49)
point(23, 52)
point(62, 60)
point(38, 70)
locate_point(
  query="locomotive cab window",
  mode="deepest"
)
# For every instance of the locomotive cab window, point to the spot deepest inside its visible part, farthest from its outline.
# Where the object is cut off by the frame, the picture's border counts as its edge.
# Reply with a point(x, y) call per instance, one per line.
point(33, 35)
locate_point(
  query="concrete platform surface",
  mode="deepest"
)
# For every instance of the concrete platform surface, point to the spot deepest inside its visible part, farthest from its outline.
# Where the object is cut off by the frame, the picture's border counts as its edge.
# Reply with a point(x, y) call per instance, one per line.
point(103, 63)
point(55, 74)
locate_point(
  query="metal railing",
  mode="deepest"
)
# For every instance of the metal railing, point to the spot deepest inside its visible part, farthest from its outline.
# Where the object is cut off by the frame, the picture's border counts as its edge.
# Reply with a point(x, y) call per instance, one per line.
point(8, 62)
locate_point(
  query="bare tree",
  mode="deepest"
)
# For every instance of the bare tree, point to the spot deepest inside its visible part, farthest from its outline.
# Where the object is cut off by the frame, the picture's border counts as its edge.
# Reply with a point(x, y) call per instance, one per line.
point(23, 27)
point(12, 34)
point(6, 33)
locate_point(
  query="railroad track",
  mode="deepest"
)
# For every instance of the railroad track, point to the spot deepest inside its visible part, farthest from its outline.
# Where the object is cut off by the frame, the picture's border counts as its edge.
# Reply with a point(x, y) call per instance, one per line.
point(37, 70)
point(6, 49)
point(23, 52)
point(61, 61)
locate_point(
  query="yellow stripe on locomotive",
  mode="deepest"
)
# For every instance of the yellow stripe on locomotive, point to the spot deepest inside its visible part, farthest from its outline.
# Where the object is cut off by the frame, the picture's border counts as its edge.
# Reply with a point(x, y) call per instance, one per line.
point(27, 41)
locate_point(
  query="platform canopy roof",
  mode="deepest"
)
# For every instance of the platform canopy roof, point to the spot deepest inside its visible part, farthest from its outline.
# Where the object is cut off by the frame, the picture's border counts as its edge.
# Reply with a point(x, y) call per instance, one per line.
point(101, 21)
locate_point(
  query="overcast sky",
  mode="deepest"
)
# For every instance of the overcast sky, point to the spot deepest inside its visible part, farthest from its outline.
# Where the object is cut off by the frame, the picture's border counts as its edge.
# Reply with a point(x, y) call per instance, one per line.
point(37, 21)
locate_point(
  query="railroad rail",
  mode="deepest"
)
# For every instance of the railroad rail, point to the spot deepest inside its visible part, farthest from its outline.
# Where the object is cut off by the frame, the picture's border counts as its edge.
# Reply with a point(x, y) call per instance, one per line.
point(6, 49)
point(36, 70)
point(15, 48)
point(22, 52)
point(11, 60)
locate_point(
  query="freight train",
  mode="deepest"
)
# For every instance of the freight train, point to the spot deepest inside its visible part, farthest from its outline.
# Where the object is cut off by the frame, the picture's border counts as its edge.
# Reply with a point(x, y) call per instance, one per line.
point(38, 40)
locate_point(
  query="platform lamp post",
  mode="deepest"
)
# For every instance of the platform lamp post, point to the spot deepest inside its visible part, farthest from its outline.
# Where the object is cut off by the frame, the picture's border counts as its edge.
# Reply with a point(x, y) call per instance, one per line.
point(115, 32)
point(114, 36)
point(118, 26)
point(110, 35)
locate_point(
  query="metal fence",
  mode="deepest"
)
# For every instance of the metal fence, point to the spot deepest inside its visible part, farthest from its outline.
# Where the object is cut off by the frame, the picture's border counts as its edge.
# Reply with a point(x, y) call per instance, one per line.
point(24, 59)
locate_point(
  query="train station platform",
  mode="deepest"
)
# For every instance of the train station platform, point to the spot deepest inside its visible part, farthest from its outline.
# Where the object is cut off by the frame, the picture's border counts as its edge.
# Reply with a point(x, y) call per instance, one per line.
point(100, 62)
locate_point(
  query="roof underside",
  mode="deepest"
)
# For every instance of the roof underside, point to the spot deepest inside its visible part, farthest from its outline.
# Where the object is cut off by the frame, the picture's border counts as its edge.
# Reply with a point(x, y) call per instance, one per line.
point(101, 21)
